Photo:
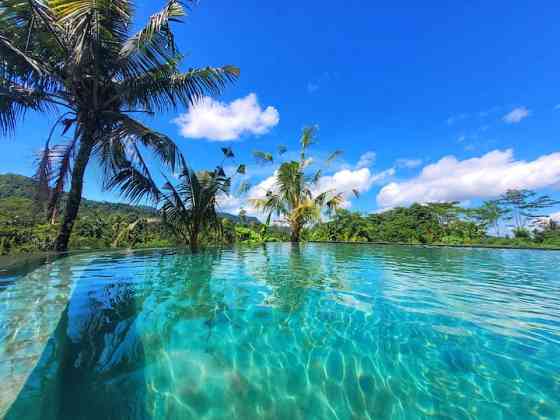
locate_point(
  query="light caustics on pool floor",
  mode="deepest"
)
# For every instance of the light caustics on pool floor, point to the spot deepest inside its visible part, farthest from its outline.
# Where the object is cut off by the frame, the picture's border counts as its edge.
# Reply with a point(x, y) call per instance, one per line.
point(285, 332)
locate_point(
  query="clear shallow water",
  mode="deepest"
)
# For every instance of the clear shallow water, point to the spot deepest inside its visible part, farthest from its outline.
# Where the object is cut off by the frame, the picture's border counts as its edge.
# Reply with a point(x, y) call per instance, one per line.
point(283, 332)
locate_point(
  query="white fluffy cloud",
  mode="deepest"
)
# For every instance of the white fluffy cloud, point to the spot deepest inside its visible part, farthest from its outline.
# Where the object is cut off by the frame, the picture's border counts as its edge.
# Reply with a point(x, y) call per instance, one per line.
point(347, 180)
point(516, 115)
point(487, 176)
point(551, 217)
point(366, 160)
point(230, 204)
point(219, 121)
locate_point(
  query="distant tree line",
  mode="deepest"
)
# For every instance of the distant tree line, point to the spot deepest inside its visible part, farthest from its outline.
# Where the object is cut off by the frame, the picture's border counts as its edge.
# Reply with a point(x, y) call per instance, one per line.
point(517, 218)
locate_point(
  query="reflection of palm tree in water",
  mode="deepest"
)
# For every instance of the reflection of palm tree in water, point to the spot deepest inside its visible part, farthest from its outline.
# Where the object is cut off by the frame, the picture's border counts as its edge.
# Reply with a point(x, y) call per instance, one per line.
point(42, 395)
point(108, 334)
point(292, 283)
point(186, 301)
point(185, 291)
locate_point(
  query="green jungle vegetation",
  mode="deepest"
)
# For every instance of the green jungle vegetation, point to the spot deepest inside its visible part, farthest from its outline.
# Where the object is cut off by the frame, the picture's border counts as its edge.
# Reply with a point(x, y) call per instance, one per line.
point(101, 225)
point(25, 229)
point(425, 224)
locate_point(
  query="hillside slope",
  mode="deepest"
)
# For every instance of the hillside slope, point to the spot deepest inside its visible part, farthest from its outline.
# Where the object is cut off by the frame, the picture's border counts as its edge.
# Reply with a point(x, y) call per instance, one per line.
point(23, 187)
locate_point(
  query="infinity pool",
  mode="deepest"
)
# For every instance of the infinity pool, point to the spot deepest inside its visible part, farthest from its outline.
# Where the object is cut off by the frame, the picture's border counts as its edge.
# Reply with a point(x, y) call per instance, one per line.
point(284, 332)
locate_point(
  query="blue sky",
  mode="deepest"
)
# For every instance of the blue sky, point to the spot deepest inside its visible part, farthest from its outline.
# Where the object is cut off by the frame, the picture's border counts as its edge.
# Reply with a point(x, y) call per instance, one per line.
point(411, 83)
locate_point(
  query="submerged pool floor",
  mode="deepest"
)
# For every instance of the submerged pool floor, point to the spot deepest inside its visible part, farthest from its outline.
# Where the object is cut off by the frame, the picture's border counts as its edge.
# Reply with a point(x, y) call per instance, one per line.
point(315, 331)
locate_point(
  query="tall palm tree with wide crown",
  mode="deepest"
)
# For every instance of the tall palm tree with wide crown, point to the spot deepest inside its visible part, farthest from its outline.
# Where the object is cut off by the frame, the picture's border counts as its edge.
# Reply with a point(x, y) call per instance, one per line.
point(79, 60)
point(293, 197)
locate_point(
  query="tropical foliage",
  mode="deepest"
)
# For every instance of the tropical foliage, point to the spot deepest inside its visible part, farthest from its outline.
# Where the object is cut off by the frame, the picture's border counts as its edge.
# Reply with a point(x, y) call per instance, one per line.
point(80, 61)
point(292, 198)
point(438, 223)
point(421, 224)
point(190, 208)
point(108, 225)
point(548, 233)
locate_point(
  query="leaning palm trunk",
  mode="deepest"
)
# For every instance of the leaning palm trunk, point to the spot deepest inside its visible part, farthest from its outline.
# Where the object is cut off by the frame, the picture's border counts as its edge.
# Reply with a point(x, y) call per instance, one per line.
point(79, 60)
point(75, 195)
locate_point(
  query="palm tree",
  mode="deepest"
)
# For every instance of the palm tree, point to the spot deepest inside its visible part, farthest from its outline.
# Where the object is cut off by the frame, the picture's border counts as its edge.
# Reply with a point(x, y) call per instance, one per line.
point(292, 197)
point(190, 207)
point(79, 60)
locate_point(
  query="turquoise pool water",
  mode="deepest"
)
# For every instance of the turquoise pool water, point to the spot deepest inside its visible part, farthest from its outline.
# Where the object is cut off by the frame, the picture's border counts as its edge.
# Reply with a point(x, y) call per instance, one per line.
point(285, 332)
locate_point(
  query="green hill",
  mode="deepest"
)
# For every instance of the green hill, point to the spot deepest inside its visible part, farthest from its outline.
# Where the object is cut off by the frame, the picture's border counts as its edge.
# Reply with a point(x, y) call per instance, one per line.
point(12, 185)
point(23, 187)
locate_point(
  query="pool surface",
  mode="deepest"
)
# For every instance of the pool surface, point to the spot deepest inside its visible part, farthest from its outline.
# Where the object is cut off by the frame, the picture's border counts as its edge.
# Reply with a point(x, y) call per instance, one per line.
point(316, 331)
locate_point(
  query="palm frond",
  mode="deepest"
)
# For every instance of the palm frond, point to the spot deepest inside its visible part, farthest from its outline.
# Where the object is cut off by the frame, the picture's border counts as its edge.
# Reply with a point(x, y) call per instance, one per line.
point(290, 181)
point(43, 173)
point(228, 152)
point(272, 203)
point(112, 154)
point(174, 208)
point(282, 149)
point(306, 212)
point(321, 199)
point(333, 156)
point(73, 10)
point(133, 184)
point(154, 44)
point(316, 177)
point(161, 145)
point(334, 203)
point(308, 136)
point(166, 88)
point(262, 157)
point(190, 207)
point(15, 102)
point(32, 62)
point(63, 156)
point(220, 172)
